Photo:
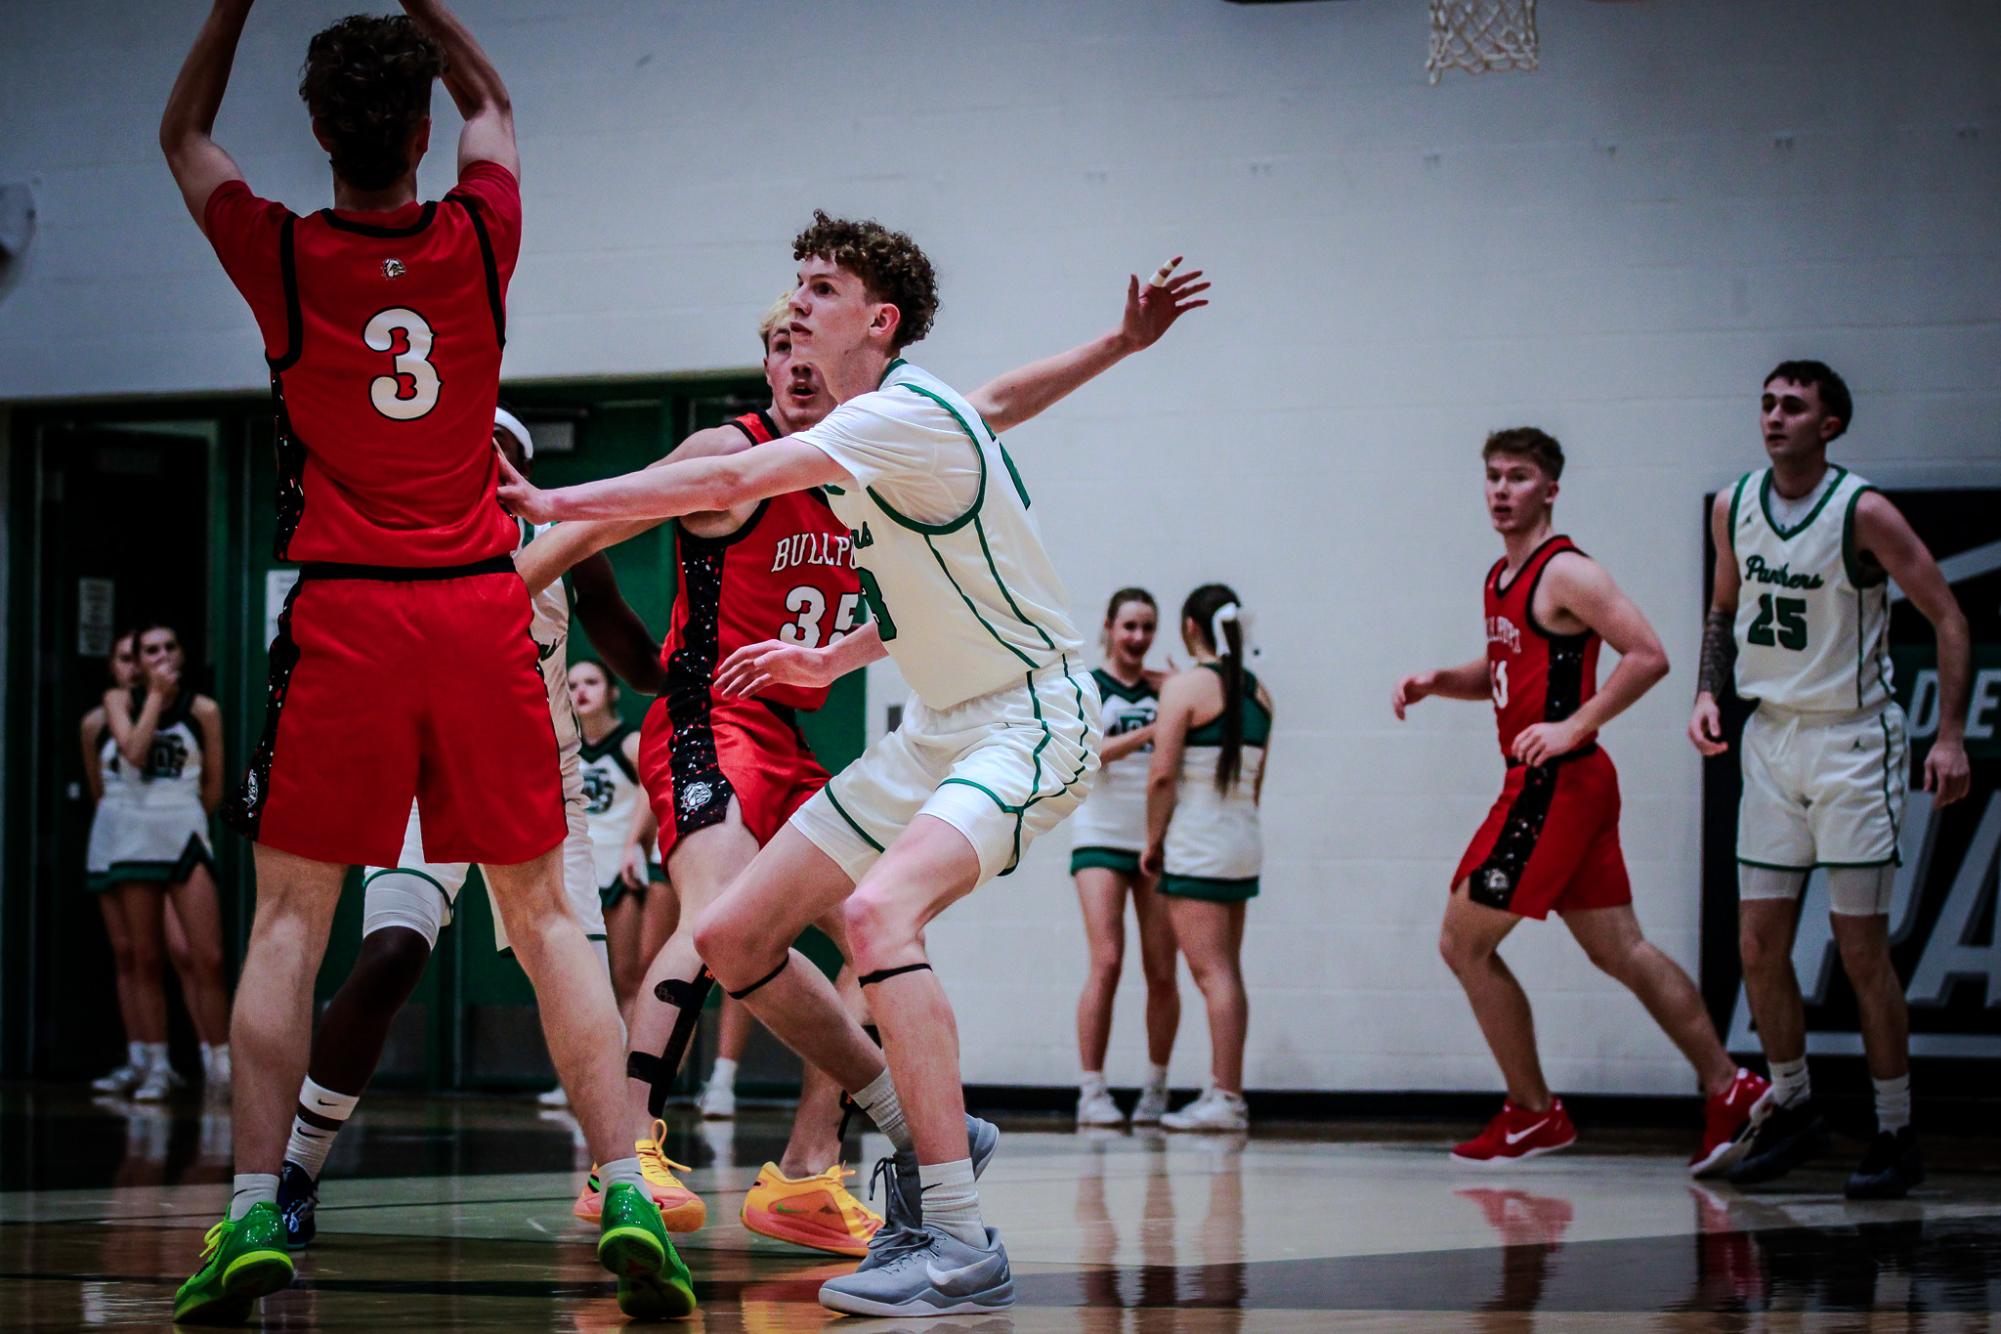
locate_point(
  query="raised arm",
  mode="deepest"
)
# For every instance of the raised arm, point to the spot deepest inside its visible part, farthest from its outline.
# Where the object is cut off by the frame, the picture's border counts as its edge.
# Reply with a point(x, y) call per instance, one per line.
point(1008, 400)
point(1883, 534)
point(616, 631)
point(1579, 589)
point(475, 87)
point(134, 734)
point(1466, 681)
point(674, 488)
point(197, 161)
point(1719, 636)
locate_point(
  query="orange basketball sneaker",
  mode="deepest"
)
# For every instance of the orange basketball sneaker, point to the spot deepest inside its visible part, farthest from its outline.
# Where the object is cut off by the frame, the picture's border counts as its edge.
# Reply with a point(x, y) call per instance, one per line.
point(817, 1212)
point(681, 1210)
point(1517, 1133)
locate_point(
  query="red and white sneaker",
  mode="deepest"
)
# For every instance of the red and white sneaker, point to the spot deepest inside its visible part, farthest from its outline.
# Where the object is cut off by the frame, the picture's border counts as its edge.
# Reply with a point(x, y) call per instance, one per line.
point(1727, 1122)
point(1518, 1133)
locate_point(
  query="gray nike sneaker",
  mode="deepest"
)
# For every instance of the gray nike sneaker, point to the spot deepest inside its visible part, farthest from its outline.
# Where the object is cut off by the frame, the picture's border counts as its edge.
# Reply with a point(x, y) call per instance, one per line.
point(902, 1206)
point(926, 1272)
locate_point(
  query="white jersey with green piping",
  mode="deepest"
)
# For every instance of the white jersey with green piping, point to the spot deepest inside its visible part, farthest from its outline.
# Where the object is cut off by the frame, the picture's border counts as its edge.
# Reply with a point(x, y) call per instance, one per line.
point(951, 559)
point(1813, 619)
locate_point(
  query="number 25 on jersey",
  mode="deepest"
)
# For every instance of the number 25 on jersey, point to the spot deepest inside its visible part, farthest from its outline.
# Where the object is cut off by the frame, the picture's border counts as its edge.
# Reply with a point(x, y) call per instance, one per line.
point(410, 388)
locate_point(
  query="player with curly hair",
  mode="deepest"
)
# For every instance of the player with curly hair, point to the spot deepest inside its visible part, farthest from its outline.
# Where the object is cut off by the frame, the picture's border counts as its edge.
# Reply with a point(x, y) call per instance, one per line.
point(997, 746)
point(383, 319)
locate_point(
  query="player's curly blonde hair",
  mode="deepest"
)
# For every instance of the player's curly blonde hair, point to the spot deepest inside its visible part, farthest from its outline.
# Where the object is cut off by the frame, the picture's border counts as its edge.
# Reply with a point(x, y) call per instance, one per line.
point(889, 264)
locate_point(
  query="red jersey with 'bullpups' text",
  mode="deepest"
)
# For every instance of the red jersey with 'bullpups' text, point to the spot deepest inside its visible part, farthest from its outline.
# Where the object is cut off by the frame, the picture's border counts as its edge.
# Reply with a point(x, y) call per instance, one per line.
point(788, 573)
point(384, 333)
point(1535, 676)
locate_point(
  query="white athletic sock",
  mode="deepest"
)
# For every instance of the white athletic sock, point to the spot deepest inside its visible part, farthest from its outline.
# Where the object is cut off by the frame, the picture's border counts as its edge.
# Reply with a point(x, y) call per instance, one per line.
point(1789, 1082)
point(952, 1201)
point(879, 1101)
point(723, 1073)
point(252, 1188)
point(622, 1169)
point(1093, 1081)
point(218, 1061)
point(155, 1055)
point(1893, 1102)
point(1156, 1076)
point(135, 1055)
point(310, 1142)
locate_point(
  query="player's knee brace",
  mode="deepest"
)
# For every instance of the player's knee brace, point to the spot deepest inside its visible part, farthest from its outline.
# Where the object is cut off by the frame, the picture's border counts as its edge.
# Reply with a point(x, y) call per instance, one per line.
point(402, 898)
point(658, 1071)
point(739, 995)
point(1860, 891)
point(884, 974)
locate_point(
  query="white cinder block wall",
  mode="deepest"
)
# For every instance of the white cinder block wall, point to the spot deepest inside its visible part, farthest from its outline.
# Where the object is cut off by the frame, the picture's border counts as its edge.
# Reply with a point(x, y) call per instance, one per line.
point(1616, 247)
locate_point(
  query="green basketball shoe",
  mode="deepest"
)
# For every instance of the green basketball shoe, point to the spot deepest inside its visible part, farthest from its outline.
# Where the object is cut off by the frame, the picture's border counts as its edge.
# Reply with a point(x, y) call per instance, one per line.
point(244, 1259)
point(653, 1284)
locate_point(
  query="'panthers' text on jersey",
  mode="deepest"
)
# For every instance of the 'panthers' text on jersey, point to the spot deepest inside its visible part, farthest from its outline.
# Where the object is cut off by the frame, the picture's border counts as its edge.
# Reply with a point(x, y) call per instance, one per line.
point(1813, 617)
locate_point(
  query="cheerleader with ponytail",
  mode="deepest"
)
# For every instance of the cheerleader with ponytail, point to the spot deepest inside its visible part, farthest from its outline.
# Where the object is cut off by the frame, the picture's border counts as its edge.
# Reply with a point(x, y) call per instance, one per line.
point(1210, 742)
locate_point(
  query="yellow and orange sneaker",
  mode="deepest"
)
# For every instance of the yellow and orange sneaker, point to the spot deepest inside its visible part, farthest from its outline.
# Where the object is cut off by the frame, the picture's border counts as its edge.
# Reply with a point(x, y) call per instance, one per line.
point(681, 1210)
point(818, 1211)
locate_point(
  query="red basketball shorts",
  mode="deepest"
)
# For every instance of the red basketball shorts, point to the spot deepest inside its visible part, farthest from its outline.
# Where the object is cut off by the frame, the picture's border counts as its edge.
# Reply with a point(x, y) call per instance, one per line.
point(392, 685)
point(697, 753)
point(1551, 843)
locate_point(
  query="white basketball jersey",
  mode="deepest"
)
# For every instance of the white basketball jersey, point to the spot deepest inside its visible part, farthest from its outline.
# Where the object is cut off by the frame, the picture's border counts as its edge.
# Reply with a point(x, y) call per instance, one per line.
point(1114, 815)
point(611, 794)
point(549, 626)
point(966, 606)
point(1813, 624)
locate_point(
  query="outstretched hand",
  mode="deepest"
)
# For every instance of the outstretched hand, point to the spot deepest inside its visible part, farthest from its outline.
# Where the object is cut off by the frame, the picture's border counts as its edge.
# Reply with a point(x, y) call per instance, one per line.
point(520, 496)
point(755, 668)
point(1152, 310)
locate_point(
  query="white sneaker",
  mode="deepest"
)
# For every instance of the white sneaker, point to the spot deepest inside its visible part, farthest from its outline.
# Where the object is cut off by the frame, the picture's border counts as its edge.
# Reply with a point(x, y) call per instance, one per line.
point(1096, 1108)
point(122, 1080)
point(1152, 1105)
point(717, 1102)
point(554, 1097)
point(158, 1083)
point(1215, 1110)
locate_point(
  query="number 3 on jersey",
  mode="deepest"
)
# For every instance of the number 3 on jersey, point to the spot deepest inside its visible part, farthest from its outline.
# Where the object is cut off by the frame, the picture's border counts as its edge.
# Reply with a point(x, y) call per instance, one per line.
point(811, 605)
point(410, 390)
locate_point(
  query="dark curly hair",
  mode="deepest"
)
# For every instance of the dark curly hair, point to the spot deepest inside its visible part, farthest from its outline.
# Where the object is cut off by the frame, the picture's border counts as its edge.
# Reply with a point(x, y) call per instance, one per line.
point(367, 81)
point(889, 264)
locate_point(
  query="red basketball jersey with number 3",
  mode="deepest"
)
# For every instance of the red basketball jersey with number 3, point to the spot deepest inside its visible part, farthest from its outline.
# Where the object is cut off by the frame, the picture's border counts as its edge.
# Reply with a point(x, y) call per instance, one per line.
point(384, 334)
point(1534, 676)
point(788, 573)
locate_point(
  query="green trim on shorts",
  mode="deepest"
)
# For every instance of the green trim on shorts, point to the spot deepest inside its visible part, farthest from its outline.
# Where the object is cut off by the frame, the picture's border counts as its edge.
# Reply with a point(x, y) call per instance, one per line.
point(135, 873)
point(1210, 888)
point(1894, 859)
point(841, 811)
point(1104, 859)
point(609, 895)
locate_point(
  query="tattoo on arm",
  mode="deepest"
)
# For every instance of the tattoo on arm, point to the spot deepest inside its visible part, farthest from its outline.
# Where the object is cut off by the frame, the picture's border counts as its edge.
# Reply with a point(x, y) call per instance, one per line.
point(1719, 652)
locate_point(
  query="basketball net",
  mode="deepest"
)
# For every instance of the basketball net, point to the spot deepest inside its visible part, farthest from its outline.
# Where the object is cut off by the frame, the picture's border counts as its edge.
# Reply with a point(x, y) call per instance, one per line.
point(1479, 35)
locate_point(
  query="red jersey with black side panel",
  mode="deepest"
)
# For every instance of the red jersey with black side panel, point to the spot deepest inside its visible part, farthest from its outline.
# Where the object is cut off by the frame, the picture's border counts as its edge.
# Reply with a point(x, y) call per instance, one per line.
point(1551, 842)
point(403, 666)
point(788, 573)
